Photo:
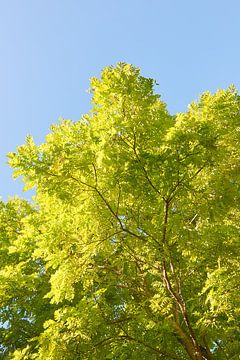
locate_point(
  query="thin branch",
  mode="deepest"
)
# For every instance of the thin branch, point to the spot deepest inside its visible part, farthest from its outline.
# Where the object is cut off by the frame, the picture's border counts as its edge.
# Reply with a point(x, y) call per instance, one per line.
point(95, 174)
point(140, 162)
point(175, 294)
point(160, 352)
point(118, 200)
point(117, 217)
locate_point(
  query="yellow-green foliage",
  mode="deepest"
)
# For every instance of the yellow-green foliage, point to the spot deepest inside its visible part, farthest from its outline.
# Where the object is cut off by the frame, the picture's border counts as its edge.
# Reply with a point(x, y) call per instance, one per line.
point(130, 249)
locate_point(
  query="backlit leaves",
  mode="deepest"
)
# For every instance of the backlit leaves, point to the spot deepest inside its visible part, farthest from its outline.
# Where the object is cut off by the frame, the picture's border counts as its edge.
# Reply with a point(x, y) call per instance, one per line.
point(130, 248)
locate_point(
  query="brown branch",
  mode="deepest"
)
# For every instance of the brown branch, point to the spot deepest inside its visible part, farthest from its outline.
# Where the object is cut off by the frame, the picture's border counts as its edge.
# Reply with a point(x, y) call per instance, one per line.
point(143, 168)
point(208, 351)
point(160, 352)
point(133, 147)
point(124, 229)
point(198, 171)
point(175, 294)
point(184, 340)
point(94, 188)
point(118, 200)
point(95, 174)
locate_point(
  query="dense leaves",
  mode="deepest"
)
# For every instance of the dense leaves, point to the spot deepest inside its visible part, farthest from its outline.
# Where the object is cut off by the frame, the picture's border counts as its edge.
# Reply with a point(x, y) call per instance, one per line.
point(130, 248)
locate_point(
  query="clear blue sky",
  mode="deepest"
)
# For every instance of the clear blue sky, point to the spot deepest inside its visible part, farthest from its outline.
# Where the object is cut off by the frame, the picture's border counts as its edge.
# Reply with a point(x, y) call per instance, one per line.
point(50, 48)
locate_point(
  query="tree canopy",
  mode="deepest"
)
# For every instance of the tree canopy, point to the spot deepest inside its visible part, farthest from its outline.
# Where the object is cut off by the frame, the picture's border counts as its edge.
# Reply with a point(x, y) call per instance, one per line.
point(130, 248)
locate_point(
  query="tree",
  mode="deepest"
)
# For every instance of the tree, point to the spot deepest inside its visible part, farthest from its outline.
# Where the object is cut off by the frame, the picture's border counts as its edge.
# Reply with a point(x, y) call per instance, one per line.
point(130, 249)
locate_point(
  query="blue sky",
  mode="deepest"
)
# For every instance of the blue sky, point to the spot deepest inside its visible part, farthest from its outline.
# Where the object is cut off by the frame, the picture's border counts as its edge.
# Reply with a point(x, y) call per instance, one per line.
point(50, 48)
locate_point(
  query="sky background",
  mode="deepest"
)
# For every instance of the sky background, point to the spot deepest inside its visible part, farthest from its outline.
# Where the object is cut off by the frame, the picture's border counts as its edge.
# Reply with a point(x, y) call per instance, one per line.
point(50, 48)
